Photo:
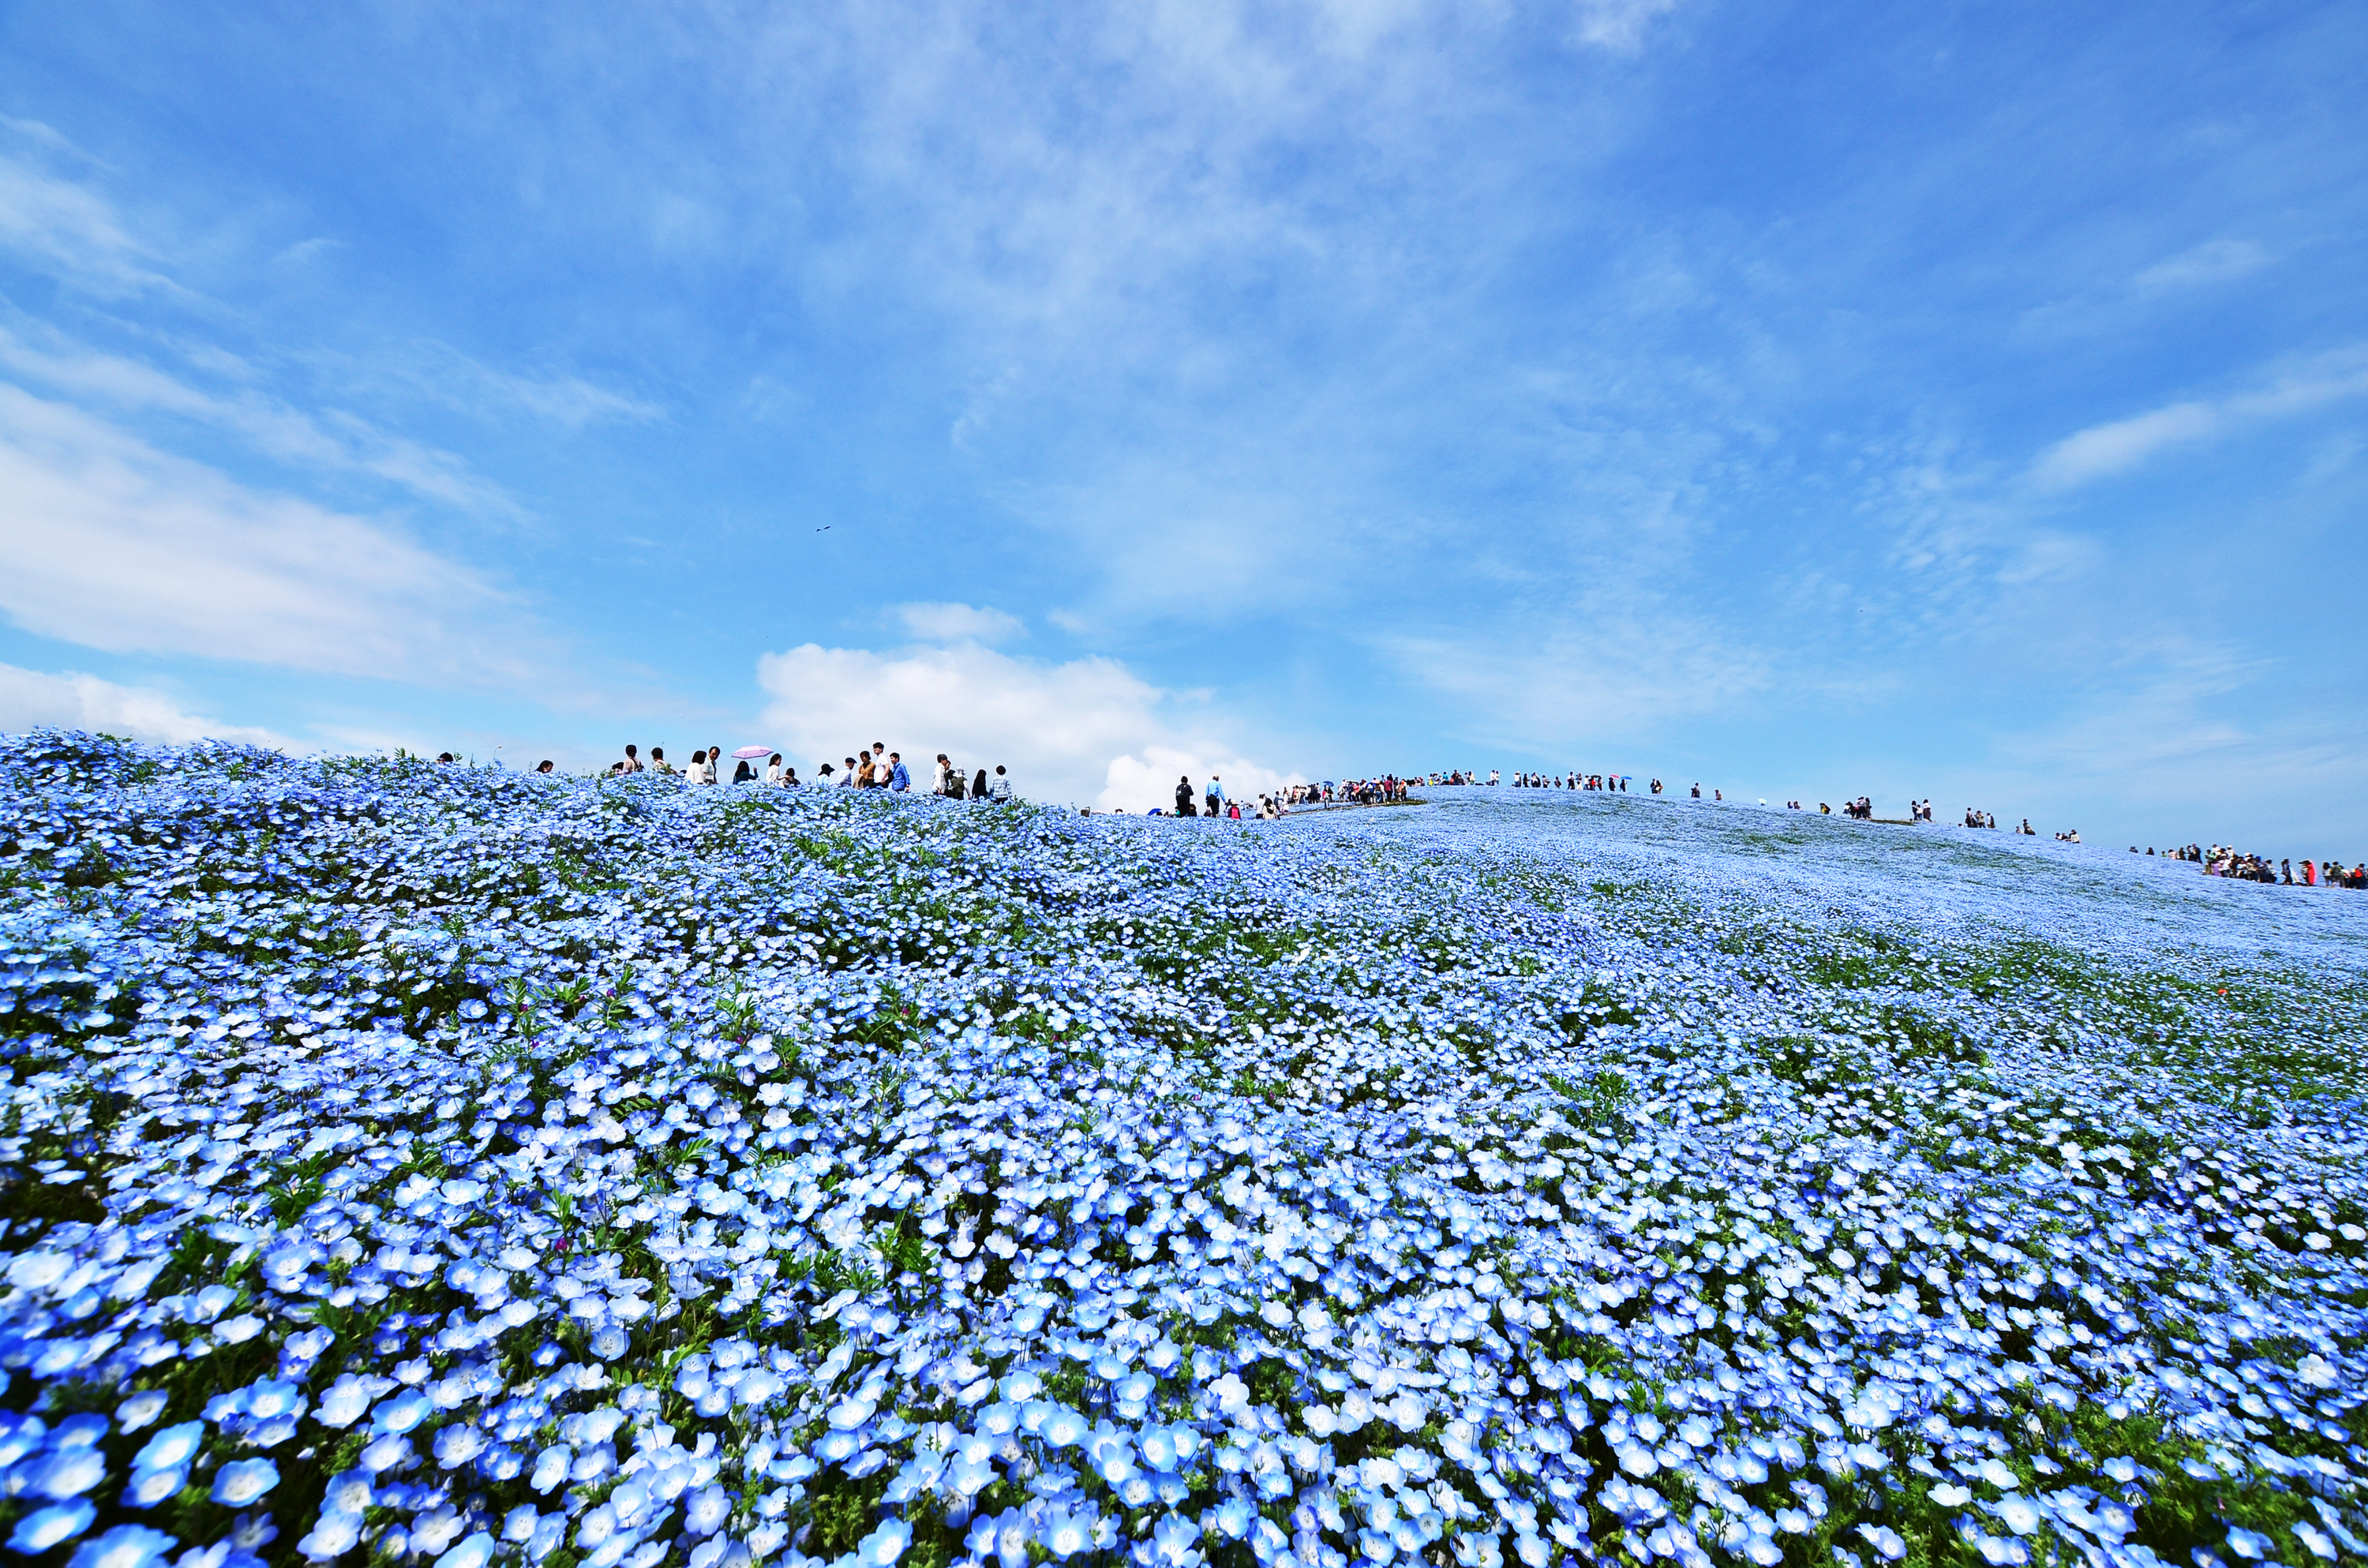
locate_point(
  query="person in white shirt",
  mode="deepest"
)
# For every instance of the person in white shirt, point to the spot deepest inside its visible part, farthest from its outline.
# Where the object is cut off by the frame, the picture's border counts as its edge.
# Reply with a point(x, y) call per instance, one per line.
point(773, 770)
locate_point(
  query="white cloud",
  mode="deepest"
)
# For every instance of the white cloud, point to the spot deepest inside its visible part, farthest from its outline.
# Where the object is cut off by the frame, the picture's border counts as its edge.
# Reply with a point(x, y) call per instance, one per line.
point(30, 697)
point(69, 231)
point(337, 442)
point(441, 373)
point(1617, 680)
point(112, 544)
point(2149, 750)
point(1088, 730)
point(304, 251)
point(2216, 262)
point(1619, 23)
point(959, 623)
point(2102, 450)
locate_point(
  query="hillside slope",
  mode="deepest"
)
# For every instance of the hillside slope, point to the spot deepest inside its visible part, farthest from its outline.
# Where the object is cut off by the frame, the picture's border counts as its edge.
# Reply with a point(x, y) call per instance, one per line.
point(407, 1163)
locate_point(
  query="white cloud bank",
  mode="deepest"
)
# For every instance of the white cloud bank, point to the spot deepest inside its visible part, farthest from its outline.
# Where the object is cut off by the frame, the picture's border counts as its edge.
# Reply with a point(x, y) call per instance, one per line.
point(112, 544)
point(31, 698)
point(1088, 731)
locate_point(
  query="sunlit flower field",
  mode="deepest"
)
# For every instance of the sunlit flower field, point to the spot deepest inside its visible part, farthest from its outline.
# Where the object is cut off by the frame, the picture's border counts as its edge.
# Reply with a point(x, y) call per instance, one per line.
point(406, 1164)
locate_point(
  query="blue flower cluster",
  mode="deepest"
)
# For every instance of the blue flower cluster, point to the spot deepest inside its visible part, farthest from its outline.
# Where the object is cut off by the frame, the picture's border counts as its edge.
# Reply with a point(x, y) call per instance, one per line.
point(421, 1164)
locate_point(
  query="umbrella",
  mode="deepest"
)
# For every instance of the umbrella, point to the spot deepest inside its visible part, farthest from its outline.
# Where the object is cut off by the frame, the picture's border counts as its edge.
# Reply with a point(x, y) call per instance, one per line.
point(747, 752)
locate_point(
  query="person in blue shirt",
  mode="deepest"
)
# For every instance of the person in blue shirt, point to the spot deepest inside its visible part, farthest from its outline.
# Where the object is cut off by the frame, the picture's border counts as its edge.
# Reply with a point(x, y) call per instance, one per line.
point(897, 778)
point(1217, 799)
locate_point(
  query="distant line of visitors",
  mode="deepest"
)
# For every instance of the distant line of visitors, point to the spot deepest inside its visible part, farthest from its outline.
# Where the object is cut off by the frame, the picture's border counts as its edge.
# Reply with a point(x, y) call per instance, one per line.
point(872, 767)
point(2220, 861)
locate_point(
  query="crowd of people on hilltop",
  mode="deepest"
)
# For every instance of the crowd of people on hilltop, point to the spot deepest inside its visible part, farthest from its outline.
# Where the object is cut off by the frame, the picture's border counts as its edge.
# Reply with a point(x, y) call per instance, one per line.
point(871, 768)
point(1616, 783)
point(2221, 860)
point(1213, 801)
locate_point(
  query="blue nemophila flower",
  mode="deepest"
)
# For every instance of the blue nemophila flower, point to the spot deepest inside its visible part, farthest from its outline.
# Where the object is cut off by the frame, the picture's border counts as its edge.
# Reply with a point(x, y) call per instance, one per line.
point(1860, 1212)
point(125, 1546)
point(65, 1471)
point(44, 1527)
point(243, 1481)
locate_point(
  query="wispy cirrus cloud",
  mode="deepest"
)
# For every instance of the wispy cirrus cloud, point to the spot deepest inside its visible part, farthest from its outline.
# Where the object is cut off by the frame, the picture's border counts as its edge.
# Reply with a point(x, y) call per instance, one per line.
point(2216, 261)
point(331, 439)
point(1618, 25)
point(428, 371)
point(959, 623)
point(65, 228)
point(2123, 445)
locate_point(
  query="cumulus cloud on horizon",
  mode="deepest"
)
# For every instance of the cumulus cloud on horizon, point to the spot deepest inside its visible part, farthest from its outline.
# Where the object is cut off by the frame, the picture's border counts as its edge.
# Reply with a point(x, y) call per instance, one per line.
point(1084, 731)
point(31, 698)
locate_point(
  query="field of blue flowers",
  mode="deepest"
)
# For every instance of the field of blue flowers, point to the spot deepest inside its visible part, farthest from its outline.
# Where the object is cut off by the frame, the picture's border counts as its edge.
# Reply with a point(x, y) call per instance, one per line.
point(404, 1164)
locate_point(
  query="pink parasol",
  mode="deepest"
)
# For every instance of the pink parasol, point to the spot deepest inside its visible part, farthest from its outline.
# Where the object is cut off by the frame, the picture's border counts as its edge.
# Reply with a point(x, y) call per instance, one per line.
point(747, 752)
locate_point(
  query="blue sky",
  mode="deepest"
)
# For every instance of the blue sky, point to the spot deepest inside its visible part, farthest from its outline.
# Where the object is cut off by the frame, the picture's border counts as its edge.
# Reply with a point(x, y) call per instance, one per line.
point(1964, 403)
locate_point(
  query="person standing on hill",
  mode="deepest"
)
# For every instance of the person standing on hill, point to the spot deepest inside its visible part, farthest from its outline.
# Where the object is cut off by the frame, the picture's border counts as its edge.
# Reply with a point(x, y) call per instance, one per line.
point(978, 786)
point(1217, 797)
point(999, 789)
point(1184, 797)
point(898, 780)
